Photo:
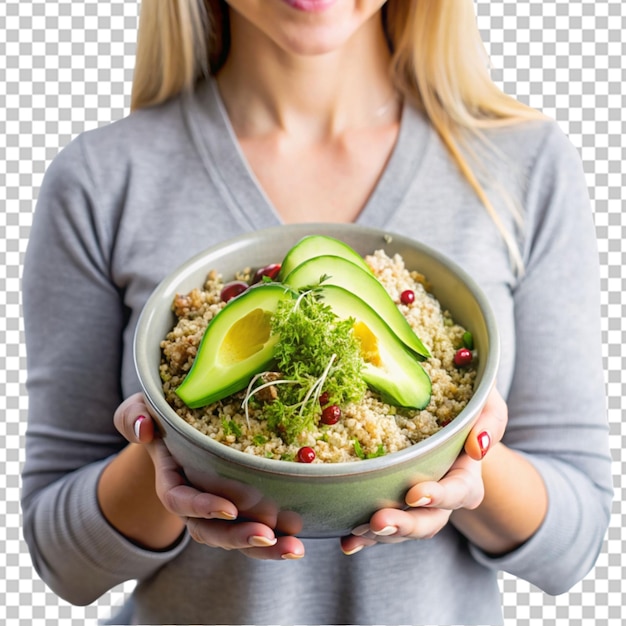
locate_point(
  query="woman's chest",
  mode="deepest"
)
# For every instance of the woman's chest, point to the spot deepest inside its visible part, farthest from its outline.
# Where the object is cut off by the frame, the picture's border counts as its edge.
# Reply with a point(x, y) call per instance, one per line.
point(327, 180)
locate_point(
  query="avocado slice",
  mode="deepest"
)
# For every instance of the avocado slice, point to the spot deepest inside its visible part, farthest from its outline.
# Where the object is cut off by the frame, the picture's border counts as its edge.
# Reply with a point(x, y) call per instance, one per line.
point(236, 345)
point(389, 369)
point(318, 245)
point(343, 273)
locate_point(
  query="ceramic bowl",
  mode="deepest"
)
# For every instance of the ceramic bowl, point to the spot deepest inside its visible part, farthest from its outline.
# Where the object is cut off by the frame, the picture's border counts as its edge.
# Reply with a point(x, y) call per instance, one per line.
point(326, 500)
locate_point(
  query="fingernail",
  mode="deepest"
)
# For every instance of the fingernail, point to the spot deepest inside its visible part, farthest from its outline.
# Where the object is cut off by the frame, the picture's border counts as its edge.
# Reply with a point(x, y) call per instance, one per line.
point(291, 556)
point(361, 530)
point(258, 541)
point(137, 426)
point(484, 441)
point(423, 501)
point(223, 515)
point(386, 531)
point(354, 550)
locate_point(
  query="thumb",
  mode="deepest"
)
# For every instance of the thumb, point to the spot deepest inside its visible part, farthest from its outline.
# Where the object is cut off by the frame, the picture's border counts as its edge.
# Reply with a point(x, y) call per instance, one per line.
point(489, 428)
point(132, 419)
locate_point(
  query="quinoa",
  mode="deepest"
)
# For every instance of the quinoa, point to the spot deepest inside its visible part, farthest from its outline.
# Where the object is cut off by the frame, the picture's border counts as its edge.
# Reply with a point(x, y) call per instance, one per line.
point(367, 428)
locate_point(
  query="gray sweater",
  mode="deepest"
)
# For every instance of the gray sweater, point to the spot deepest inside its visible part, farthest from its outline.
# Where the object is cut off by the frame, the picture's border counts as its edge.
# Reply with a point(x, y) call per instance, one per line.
point(122, 206)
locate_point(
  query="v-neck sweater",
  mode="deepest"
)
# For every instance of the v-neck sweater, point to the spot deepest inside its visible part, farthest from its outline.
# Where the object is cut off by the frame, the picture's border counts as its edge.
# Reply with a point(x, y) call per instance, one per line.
point(221, 155)
point(123, 205)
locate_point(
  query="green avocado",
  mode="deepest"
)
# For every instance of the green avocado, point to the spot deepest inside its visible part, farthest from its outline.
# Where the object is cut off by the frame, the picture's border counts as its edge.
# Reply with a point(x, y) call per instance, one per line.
point(236, 345)
point(318, 245)
point(389, 369)
point(343, 273)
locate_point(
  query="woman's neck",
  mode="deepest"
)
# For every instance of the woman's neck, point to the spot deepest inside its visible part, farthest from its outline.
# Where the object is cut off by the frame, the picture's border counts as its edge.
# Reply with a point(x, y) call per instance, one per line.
point(265, 89)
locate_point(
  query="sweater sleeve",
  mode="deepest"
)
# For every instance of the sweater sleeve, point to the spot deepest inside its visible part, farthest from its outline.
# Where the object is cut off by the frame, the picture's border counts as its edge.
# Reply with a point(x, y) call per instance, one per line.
point(74, 319)
point(557, 408)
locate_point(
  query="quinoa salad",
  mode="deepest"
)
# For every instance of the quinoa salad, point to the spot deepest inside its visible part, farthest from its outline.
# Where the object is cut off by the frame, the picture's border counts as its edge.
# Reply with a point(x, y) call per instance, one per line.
point(366, 428)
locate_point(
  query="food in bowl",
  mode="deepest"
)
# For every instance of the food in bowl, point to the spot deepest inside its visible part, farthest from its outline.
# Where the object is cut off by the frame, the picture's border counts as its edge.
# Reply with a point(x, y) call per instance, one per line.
point(325, 357)
point(330, 499)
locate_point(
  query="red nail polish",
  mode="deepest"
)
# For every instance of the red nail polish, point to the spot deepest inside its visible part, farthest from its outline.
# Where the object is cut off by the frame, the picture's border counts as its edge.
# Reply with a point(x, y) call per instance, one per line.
point(484, 441)
point(137, 426)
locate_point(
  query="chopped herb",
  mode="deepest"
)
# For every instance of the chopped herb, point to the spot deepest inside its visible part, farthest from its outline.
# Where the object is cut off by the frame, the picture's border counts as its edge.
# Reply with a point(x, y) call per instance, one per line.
point(468, 340)
point(380, 451)
point(231, 428)
point(358, 450)
point(259, 440)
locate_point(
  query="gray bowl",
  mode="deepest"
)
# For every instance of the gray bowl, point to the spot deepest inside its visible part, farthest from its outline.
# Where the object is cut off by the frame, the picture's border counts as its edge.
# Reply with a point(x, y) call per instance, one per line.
point(326, 500)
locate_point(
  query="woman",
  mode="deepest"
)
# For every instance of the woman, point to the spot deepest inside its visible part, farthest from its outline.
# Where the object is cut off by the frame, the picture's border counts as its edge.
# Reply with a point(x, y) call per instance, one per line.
point(248, 114)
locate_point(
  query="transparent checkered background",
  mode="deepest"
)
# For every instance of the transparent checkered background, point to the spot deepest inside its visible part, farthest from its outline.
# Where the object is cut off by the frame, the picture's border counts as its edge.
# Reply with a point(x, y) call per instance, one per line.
point(67, 66)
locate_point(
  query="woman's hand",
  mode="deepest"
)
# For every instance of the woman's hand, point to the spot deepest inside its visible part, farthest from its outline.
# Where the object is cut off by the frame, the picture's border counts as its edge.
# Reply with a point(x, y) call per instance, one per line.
point(432, 503)
point(232, 516)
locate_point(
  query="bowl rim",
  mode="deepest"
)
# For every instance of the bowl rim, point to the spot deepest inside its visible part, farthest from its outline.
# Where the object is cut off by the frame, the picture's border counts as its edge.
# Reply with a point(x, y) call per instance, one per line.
point(154, 394)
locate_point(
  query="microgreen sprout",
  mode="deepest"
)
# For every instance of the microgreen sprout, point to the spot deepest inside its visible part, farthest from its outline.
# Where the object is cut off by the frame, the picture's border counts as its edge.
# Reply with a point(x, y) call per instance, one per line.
point(316, 351)
point(316, 387)
point(250, 391)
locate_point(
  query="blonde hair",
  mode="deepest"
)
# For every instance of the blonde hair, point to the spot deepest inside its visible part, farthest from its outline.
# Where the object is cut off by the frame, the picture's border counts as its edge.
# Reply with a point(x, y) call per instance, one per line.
point(439, 64)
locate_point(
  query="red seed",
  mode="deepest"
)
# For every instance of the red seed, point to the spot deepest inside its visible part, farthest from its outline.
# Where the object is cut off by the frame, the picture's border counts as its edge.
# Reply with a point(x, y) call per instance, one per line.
point(407, 296)
point(462, 357)
point(271, 271)
point(306, 455)
point(232, 289)
point(324, 398)
point(331, 415)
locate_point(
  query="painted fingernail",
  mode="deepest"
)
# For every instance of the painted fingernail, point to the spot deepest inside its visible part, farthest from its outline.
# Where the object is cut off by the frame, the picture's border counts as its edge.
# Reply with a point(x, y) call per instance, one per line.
point(386, 531)
point(484, 441)
point(291, 556)
point(137, 426)
point(258, 541)
point(354, 550)
point(423, 501)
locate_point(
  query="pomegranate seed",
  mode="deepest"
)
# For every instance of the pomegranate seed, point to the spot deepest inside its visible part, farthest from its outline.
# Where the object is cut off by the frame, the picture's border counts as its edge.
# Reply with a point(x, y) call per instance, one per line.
point(271, 271)
point(324, 398)
point(232, 290)
point(306, 455)
point(462, 357)
point(407, 296)
point(331, 415)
